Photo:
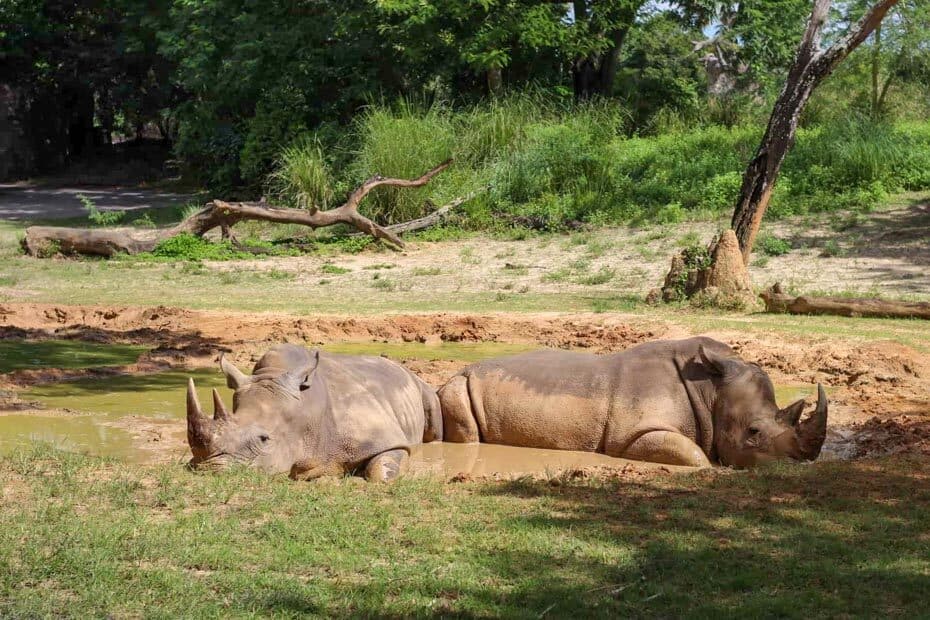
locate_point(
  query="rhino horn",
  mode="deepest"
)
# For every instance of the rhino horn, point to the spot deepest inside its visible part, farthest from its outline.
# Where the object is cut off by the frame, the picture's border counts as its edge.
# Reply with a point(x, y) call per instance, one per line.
point(813, 431)
point(199, 427)
point(235, 378)
point(791, 414)
point(220, 413)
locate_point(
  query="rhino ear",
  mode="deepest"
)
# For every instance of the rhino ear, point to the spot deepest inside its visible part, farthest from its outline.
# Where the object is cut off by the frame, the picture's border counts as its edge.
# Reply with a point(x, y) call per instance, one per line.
point(300, 378)
point(235, 378)
point(791, 414)
point(719, 364)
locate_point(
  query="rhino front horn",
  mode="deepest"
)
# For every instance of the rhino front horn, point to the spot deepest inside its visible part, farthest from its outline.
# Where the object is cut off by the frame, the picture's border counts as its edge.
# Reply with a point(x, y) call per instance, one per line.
point(813, 431)
point(199, 427)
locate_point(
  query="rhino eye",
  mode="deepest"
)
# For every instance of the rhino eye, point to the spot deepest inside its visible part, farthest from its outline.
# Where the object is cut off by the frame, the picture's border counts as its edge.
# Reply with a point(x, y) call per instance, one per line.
point(753, 431)
point(263, 438)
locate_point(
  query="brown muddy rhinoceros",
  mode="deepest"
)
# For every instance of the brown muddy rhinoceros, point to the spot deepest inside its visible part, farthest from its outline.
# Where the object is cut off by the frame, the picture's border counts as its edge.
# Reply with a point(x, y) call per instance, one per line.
point(312, 413)
point(682, 402)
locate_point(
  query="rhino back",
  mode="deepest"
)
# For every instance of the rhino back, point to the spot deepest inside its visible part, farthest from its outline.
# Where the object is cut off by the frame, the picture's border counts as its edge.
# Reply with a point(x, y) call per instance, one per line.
point(374, 405)
point(581, 401)
point(544, 399)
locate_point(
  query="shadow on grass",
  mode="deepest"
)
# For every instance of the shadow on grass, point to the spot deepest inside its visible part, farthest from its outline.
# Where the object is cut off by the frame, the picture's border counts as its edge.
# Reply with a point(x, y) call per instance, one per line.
point(791, 541)
point(831, 540)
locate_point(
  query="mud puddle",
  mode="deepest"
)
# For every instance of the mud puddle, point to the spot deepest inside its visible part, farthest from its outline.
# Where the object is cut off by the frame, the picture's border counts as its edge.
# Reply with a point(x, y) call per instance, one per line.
point(133, 418)
point(455, 459)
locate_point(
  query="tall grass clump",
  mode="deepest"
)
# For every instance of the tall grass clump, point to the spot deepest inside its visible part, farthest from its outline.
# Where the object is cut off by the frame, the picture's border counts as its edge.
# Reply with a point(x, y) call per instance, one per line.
point(302, 177)
point(551, 164)
point(404, 141)
point(854, 163)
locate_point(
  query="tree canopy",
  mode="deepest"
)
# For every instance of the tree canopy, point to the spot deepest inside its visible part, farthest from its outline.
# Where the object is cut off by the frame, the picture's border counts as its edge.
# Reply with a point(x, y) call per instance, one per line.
point(231, 82)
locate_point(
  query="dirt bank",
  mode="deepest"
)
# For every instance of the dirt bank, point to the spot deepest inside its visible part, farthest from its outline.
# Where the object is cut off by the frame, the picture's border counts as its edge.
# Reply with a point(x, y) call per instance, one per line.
point(879, 391)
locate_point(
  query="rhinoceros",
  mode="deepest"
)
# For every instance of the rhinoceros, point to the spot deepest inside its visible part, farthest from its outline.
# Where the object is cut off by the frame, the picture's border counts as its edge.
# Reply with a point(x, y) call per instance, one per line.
point(311, 414)
point(682, 402)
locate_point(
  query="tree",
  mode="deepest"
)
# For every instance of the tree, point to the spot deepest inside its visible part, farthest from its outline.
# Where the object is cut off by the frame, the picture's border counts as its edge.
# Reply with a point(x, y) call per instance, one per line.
point(811, 66)
point(897, 50)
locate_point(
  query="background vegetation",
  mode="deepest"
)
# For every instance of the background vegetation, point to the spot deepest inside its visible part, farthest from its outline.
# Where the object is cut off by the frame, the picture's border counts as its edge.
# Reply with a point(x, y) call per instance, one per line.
point(593, 110)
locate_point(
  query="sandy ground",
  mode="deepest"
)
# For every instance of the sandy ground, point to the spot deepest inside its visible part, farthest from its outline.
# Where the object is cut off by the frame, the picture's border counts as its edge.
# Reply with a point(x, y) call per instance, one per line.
point(886, 253)
point(879, 392)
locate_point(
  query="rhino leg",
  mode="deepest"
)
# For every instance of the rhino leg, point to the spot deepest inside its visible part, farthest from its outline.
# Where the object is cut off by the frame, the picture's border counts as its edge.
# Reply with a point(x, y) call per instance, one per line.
point(387, 466)
point(666, 447)
point(458, 420)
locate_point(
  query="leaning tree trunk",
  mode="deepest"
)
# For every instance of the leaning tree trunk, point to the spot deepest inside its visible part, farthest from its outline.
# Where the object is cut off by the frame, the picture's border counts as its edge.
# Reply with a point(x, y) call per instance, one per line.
point(811, 66)
point(47, 240)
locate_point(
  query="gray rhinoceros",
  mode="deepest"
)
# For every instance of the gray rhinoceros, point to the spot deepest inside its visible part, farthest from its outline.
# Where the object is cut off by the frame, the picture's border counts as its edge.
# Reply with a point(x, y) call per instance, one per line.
point(312, 414)
point(682, 402)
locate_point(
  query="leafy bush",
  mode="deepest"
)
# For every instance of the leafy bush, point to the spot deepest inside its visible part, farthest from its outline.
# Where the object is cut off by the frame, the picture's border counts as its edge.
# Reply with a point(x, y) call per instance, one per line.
point(191, 247)
point(773, 246)
point(548, 167)
point(280, 115)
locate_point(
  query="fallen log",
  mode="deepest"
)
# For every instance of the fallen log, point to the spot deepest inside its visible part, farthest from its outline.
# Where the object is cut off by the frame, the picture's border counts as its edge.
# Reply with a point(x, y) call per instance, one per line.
point(776, 300)
point(44, 241)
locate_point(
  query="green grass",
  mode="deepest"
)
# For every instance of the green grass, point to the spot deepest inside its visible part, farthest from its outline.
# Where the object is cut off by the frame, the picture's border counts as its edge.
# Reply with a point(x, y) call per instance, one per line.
point(789, 541)
point(334, 269)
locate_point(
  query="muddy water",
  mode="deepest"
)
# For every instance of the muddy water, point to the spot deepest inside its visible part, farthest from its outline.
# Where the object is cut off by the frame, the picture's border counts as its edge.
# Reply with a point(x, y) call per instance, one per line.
point(448, 459)
point(109, 416)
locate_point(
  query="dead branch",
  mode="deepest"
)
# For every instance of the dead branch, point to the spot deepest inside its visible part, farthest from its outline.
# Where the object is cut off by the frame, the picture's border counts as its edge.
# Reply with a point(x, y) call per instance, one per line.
point(46, 240)
point(777, 301)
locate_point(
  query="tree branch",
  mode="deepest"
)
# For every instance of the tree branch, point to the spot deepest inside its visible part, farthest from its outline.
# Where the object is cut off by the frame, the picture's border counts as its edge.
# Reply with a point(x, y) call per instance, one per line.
point(828, 59)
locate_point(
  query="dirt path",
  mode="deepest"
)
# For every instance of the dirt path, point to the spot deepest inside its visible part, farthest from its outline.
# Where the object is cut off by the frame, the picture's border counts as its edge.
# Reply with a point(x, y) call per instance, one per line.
point(881, 387)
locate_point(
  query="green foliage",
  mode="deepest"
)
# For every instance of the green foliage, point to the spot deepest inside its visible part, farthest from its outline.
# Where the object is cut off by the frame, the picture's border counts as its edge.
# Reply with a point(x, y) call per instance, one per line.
point(98, 217)
point(773, 246)
point(193, 248)
point(403, 142)
point(301, 177)
point(550, 167)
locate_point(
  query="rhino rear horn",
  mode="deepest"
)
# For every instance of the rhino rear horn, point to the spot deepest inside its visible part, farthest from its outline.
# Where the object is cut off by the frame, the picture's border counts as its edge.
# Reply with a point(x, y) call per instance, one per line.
point(235, 378)
point(199, 427)
point(791, 414)
point(220, 413)
point(813, 431)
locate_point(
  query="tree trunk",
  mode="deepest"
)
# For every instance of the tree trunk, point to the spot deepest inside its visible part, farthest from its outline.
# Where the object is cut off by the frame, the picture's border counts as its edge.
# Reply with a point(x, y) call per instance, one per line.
point(811, 66)
point(876, 65)
point(595, 74)
point(44, 241)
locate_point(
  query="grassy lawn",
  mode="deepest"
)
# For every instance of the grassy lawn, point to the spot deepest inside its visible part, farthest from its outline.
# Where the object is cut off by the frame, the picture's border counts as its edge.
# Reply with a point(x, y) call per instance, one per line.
point(86, 537)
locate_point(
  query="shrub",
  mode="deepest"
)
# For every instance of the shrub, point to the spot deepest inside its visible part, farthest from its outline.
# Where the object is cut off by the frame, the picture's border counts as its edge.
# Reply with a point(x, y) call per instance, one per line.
point(403, 142)
point(191, 247)
point(301, 177)
point(773, 246)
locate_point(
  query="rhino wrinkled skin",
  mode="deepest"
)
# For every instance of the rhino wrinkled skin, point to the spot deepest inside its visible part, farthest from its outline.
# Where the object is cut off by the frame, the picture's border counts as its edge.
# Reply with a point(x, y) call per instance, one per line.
point(312, 413)
point(683, 402)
